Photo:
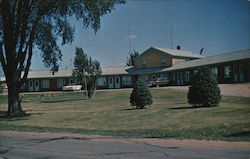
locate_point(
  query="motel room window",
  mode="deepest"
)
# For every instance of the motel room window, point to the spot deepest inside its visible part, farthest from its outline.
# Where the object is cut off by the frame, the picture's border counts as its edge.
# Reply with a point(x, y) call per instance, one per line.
point(60, 83)
point(214, 71)
point(227, 71)
point(163, 61)
point(241, 68)
point(143, 78)
point(126, 80)
point(163, 76)
point(187, 74)
point(110, 80)
point(102, 81)
point(72, 81)
point(45, 83)
point(144, 63)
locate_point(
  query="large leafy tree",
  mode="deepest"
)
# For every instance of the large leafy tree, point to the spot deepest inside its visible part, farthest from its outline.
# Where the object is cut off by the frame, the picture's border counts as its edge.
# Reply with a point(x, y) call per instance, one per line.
point(25, 24)
point(86, 71)
point(131, 58)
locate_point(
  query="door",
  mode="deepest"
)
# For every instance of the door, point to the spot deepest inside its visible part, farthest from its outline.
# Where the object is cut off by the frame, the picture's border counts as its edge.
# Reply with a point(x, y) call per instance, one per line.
point(30, 86)
point(117, 82)
point(36, 85)
point(235, 75)
point(111, 82)
point(241, 73)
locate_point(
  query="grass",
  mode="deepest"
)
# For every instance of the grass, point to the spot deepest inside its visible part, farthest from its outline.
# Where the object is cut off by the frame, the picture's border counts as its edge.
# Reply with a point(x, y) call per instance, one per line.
point(110, 114)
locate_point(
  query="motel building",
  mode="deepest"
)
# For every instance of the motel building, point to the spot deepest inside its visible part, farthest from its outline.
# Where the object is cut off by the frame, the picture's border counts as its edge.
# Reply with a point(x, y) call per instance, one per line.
point(174, 65)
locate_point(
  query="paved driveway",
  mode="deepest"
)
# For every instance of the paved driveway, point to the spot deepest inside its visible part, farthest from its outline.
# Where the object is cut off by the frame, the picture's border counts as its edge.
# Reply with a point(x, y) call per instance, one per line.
point(74, 146)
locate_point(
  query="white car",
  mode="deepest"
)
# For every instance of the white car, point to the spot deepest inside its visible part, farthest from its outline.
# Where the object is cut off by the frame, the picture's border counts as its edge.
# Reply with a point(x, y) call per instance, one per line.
point(72, 88)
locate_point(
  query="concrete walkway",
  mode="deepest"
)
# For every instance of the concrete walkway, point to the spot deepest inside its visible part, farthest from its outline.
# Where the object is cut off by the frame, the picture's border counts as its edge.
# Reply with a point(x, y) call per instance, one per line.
point(29, 145)
point(237, 90)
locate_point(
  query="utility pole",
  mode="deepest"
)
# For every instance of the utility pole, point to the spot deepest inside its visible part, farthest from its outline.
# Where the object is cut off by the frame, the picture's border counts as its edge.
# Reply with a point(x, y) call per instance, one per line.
point(129, 38)
point(171, 36)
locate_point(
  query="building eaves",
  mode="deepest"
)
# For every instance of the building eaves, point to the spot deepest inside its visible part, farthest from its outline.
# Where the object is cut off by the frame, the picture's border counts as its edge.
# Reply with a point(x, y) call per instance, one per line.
point(216, 59)
point(179, 53)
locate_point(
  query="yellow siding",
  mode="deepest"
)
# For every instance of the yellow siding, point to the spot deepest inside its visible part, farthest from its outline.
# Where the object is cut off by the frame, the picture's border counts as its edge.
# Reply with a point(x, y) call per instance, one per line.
point(177, 61)
point(152, 59)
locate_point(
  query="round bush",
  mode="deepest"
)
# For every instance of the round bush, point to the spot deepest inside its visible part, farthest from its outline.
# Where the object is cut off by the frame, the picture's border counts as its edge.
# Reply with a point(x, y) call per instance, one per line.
point(204, 90)
point(140, 96)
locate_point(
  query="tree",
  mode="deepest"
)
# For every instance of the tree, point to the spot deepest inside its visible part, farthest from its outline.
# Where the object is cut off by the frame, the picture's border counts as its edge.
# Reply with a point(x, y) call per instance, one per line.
point(140, 96)
point(204, 90)
point(131, 59)
point(86, 71)
point(25, 24)
point(1, 87)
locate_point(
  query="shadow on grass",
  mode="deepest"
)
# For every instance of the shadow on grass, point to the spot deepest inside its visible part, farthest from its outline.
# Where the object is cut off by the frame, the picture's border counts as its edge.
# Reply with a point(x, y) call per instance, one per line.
point(4, 116)
point(238, 134)
point(128, 109)
point(61, 100)
point(190, 107)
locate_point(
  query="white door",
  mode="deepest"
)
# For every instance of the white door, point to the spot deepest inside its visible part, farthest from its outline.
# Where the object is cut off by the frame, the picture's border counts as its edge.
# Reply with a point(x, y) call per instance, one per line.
point(111, 82)
point(241, 72)
point(117, 82)
point(235, 73)
point(30, 86)
point(36, 82)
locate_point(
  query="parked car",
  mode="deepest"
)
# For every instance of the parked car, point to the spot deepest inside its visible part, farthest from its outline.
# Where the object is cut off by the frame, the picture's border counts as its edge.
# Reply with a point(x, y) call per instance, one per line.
point(72, 88)
point(158, 82)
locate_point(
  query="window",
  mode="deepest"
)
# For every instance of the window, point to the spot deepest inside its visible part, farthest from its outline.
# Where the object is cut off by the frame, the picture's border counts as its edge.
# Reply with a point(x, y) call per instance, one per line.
point(31, 84)
point(144, 63)
point(72, 81)
point(187, 74)
point(163, 76)
point(60, 83)
point(36, 83)
point(163, 61)
point(110, 80)
point(126, 80)
point(214, 71)
point(227, 71)
point(102, 81)
point(143, 78)
point(45, 83)
point(241, 68)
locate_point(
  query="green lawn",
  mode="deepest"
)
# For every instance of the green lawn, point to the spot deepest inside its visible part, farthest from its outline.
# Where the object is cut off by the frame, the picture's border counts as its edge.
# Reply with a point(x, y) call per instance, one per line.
point(110, 114)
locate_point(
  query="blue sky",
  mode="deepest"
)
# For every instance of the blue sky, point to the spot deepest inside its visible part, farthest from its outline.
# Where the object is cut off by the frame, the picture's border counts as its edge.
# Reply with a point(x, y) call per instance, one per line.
point(217, 25)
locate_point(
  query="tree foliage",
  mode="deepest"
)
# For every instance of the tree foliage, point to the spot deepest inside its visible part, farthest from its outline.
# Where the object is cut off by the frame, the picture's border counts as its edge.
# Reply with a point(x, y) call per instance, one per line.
point(86, 71)
point(25, 24)
point(1, 87)
point(140, 96)
point(204, 90)
point(131, 58)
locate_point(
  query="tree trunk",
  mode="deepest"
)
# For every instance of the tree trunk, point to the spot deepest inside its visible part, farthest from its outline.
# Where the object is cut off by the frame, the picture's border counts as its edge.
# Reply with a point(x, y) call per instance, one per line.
point(14, 101)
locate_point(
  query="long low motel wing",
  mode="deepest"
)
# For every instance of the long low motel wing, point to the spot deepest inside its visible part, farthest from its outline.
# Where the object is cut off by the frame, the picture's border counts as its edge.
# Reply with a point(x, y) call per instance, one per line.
point(176, 66)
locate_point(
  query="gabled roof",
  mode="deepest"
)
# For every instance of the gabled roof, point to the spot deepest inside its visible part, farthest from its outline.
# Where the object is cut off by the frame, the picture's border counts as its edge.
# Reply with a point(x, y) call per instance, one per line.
point(49, 74)
point(216, 59)
point(175, 53)
point(117, 70)
point(180, 53)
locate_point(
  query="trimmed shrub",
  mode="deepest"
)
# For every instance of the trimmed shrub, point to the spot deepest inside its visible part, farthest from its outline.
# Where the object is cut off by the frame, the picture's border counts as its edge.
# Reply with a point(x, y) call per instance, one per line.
point(140, 96)
point(204, 90)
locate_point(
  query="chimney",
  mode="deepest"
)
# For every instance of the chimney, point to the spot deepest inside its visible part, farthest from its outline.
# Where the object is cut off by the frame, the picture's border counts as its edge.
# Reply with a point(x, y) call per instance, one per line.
point(178, 47)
